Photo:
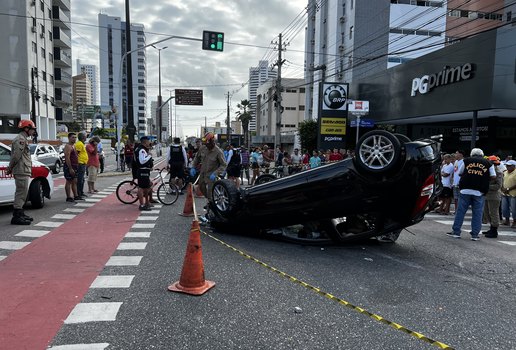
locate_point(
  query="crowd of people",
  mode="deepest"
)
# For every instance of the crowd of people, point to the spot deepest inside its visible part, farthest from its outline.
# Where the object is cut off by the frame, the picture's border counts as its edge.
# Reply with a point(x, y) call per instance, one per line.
point(484, 183)
point(81, 160)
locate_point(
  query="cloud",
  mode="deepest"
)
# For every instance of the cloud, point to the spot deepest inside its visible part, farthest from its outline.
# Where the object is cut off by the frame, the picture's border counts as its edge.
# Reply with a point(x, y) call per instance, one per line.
point(184, 64)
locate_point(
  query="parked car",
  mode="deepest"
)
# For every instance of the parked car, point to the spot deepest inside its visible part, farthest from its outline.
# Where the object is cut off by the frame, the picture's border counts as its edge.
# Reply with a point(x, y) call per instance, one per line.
point(60, 150)
point(41, 183)
point(389, 185)
point(46, 154)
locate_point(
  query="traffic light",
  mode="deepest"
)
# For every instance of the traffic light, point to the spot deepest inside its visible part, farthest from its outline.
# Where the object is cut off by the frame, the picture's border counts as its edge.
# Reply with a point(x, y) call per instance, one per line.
point(213, 41)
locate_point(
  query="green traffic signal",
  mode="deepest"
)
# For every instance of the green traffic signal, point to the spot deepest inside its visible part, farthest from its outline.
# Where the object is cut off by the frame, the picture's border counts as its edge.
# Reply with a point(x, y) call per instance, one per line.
point(213, 41)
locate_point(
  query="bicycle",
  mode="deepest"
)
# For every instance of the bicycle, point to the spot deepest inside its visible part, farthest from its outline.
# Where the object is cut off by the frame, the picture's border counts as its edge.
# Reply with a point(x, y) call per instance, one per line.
point(127, 191)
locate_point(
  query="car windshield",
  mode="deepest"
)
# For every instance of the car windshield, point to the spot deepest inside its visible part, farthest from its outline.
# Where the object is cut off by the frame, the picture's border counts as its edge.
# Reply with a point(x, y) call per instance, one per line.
point(32, 148)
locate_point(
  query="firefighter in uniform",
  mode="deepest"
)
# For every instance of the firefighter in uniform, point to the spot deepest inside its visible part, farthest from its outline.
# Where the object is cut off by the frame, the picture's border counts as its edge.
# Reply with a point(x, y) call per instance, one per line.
point(20, 167)
point(212, 163)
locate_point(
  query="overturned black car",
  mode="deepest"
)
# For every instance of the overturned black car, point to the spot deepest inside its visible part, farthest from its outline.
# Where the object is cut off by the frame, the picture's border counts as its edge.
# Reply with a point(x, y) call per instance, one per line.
point(389, 185)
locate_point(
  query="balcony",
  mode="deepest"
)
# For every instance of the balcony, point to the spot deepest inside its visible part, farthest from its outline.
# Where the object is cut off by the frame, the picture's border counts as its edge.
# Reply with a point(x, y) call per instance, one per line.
point(62, 58)
point(61, 19)
point(63, 4)
point(63, 97)
point(61, 39)
point(62, 78)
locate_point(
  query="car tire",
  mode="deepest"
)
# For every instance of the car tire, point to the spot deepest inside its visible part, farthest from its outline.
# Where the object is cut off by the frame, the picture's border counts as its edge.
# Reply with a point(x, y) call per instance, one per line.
point(225, 197)
point(378, 152)
point(390, 237)
point(57, 168)
point(264, 178)
point(36, 195)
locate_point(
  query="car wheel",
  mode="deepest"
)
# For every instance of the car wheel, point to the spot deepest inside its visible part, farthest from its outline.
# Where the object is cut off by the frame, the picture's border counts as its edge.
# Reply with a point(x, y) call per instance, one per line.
point(226, 197)
point(389, 237)
point(57, 168)
point(349, 229)
point(378, 152)
point(264, 178)
point(36, 195)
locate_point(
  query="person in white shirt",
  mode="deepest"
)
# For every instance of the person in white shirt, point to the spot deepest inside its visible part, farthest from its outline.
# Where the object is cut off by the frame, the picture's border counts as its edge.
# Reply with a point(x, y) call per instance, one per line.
point(446, 180)
point(296, 159)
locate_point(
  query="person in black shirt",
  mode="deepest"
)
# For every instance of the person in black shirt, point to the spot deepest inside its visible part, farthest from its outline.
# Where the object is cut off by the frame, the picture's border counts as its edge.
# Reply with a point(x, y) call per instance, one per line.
point(177, 161)
point(475, 175)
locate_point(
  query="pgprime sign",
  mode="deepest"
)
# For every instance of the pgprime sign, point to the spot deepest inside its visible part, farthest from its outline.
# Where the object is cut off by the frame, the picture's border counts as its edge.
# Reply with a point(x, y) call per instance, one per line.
point(448, 75)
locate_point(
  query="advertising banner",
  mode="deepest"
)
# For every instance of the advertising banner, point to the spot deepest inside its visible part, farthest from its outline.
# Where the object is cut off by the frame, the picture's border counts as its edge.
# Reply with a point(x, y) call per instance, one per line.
point(333, 116)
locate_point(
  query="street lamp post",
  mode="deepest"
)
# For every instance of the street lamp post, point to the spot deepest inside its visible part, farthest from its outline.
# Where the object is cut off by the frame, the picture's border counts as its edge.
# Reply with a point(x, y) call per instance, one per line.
point(159, 116)
point(120, 109)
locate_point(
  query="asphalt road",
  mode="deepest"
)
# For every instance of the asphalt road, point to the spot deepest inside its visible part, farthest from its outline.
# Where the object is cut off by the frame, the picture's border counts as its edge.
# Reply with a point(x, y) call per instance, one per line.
point(458, 293)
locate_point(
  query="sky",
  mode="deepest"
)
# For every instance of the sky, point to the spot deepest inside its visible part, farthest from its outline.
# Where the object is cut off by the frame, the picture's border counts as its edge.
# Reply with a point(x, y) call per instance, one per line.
point(249, 27)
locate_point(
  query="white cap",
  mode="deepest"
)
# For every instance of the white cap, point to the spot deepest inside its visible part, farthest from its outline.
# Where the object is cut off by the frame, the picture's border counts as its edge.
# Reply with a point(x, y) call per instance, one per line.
point(510, 162)
point(476, 152)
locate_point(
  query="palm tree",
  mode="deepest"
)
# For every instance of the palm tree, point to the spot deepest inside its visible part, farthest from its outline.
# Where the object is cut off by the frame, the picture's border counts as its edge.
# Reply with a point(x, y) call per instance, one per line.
point(244, 116)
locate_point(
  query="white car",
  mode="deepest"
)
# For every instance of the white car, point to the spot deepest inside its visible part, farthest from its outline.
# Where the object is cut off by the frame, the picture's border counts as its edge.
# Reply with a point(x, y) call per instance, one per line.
point(41, 184)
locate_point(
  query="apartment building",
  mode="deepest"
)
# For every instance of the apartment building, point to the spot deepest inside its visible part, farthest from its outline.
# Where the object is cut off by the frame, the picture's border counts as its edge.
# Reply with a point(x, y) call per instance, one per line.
point(113, 88)
point(258, 76)
point(92, 72)
point(35, 74)
point(81, 88)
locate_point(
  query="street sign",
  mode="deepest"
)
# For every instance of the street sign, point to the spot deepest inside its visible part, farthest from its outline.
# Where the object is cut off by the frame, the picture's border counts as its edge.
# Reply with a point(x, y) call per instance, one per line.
point(364, 123)
point(356, 107)
point(187, 97)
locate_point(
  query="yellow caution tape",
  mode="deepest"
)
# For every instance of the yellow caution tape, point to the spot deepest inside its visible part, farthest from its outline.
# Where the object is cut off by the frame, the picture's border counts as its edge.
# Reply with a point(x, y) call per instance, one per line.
point(332, 297)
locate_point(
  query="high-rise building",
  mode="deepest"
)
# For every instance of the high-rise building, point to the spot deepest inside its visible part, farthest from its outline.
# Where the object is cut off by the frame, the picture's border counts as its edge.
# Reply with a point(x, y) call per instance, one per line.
point(112, 70)
point(62, 52)
point(92, 72)
point(348, 40)
point(35, 70)
point(165, 120)
point(81, 88)
point(258, 76)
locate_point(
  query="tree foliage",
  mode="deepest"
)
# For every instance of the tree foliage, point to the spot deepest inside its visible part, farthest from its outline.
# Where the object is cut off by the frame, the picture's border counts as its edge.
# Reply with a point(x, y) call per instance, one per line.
point(244, 116)
point(308, 134)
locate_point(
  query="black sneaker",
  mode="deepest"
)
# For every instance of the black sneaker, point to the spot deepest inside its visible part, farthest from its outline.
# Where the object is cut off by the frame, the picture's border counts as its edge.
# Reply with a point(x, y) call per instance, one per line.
point(70, 199)
point(78, 198)
point(475, 238)
point(144, 208)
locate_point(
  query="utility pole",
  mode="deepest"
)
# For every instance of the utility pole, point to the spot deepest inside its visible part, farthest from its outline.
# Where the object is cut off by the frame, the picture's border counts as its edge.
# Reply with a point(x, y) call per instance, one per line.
point(278, 95)
point(34, 71)
point(205, 125)
point(131, 128)
point(228, 122)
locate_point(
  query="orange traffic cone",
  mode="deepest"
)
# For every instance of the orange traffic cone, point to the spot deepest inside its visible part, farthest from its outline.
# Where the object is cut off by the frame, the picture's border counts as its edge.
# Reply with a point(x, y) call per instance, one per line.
point(192, 276)
point(188, 208)
point(198, 193)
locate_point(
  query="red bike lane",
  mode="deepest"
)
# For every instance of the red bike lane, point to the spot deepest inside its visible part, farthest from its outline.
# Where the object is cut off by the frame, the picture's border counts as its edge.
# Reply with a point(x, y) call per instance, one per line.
point(41, 283)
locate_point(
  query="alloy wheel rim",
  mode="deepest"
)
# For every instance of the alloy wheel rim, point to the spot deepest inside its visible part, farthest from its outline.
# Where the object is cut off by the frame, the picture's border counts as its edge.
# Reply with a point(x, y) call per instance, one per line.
point(376, 152)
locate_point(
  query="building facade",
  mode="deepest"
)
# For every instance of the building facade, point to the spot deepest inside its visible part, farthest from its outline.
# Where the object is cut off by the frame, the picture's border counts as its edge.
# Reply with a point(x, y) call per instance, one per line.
point(165, 120)
point(81, 90)
point(348, 40)
point(35, 74)
point(92, 72)
point(113, 88)
point(258, 76)
point(293, 103)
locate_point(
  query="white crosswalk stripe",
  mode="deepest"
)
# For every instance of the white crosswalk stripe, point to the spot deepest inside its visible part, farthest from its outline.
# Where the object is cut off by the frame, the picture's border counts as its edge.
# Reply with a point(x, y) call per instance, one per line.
point(95, 346)
point(93, 312)
point(32, 233)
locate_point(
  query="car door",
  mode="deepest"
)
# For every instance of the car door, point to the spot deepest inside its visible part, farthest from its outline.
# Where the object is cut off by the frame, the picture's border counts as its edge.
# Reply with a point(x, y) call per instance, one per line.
point(45, 155)
point(7, 187)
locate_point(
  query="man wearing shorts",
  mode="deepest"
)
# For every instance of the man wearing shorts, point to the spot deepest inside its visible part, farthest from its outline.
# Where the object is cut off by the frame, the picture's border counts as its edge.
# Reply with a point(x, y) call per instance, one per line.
point(70, 169)
point(446, 180)
point(145, 164)
point(459, 161)
point(177, 161)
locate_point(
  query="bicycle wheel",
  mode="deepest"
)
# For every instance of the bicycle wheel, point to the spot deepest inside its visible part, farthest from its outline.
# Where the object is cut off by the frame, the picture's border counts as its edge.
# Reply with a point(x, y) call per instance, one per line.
point(168, 194)
point(127, 192)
